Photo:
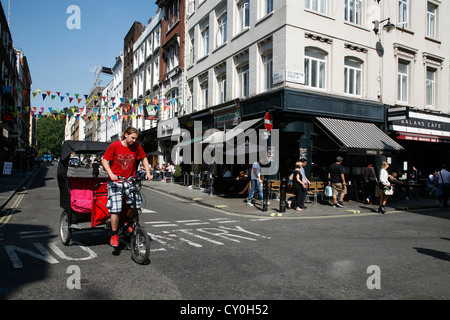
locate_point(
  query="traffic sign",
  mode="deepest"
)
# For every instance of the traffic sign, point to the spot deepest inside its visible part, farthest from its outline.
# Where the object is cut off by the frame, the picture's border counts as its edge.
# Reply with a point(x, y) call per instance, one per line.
point(268, 121)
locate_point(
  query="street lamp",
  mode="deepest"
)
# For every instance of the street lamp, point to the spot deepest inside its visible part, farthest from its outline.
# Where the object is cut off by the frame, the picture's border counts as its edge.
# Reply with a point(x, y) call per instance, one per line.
point(388, 26)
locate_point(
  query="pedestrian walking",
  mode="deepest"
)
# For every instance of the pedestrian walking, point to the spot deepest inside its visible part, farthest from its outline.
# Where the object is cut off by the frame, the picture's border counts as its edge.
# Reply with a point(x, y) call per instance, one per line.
point(442, 191)
point(371, 183)
point(256, 182)
point(299, 188)
point(336, 179)
point(385, 187)
point(95, 168)
point(305, 180)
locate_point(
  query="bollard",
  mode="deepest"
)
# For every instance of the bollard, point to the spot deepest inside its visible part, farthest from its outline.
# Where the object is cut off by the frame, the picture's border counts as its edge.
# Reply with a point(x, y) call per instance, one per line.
point(265, 194)
point(211, 184)
point(283, 203)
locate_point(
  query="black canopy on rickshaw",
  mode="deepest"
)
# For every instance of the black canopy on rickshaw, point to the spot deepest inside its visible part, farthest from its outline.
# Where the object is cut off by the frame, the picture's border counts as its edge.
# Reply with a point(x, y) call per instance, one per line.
point(69, 147)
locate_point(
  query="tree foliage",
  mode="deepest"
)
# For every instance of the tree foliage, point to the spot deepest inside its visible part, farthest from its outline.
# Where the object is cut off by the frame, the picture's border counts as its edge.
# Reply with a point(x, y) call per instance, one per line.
point(50, 136)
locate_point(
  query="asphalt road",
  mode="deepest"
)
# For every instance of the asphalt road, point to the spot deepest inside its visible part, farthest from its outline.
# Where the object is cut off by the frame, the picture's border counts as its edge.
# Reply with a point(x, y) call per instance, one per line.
point(200, 253)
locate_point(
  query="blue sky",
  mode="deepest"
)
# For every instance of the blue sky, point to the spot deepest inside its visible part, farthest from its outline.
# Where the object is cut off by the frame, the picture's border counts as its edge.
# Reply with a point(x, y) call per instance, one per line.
point(60, 59)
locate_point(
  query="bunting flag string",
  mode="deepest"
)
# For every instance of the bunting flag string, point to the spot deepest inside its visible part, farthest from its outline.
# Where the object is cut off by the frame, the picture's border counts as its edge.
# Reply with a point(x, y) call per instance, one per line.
point(135, 108)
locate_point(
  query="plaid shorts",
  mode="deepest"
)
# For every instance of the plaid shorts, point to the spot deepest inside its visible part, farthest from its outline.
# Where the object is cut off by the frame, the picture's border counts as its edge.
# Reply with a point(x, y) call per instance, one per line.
point(118, 190)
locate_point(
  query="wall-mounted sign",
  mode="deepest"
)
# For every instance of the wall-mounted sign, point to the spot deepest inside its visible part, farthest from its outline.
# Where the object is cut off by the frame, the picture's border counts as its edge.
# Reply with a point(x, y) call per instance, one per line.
point(8, 117)
point(295, 76)
point(422, 126)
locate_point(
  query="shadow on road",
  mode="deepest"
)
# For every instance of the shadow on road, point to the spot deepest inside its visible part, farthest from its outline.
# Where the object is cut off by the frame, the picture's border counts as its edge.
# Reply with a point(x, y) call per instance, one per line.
point(434, 253)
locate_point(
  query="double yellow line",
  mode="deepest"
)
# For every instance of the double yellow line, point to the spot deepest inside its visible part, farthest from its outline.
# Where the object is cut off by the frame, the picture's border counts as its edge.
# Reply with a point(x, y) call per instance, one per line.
point(4, 220)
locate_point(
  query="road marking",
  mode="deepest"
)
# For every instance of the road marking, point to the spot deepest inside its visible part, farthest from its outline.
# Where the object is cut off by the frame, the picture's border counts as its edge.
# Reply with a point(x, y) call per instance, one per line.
point(273, 214)
point(161, 224)
point(36, 234)
point(143, 210)
point(4, 220)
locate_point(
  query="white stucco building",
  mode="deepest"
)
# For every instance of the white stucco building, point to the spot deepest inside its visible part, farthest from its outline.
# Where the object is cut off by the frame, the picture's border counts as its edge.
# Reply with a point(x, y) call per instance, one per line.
point(111, 124)
point(311, 60)
point(146, 68)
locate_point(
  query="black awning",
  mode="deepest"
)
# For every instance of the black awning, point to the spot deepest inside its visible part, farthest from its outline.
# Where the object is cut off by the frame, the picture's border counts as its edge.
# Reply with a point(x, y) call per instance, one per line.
point(358, 137)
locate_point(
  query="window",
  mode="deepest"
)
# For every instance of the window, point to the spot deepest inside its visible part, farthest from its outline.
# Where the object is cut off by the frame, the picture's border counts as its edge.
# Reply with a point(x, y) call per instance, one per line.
point(204, 95)
point(205, 42)
point(267, 81)
point(149, 46)
point(430, 87)
point(243, 81)
point(353, 77)
point(190, 101)
point(403, 13)
point(402, 82)
point(171, 100)
point(156, 71)
point(431, 20)
point(221, 89)
point(157, 39)
point(142, 57)
point(316, 5)
point(354, 11)
point(243, 18)
point(135, 61)
point(148, 84)
point(221, 37)
point(172, 58)
point(315, 69)
point(266, 7)
point(191, 6)
point(135, 87)
point(191, 49)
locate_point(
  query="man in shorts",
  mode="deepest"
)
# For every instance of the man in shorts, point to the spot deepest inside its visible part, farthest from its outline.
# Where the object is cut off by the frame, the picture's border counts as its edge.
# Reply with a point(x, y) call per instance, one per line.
point(121, 159)
point(337, 180)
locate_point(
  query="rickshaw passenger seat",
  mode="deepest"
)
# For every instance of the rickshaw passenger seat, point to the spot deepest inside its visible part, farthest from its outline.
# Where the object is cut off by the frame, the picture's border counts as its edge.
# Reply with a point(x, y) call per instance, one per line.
point(81, 193)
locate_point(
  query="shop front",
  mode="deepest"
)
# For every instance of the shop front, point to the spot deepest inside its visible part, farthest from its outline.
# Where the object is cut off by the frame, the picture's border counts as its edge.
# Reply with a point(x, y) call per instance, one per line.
point(168, 132)
point(321, 127)
point(426, 137)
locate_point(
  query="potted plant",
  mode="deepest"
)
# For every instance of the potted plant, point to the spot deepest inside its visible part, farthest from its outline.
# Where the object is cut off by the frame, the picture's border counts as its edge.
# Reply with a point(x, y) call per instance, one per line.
point(177, 173)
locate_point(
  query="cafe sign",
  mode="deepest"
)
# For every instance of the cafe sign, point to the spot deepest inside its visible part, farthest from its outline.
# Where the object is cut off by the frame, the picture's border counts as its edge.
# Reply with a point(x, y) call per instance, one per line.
point(422, 126)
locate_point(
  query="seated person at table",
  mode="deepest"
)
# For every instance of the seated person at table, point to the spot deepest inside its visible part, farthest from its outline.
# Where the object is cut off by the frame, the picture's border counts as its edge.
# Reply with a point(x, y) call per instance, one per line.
point(227, 173)
point(398, 185)
point(243, 180)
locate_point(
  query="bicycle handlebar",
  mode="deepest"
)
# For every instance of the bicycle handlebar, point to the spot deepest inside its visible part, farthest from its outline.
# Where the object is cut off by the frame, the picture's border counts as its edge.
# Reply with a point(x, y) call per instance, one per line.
point(122, 179)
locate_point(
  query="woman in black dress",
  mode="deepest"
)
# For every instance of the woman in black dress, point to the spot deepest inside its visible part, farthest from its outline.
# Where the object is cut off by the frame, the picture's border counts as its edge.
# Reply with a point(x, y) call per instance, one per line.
point(299, 187)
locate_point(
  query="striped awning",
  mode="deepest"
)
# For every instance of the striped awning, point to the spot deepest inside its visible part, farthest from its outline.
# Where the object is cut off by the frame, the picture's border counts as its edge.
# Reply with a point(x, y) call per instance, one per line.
point(360, 137)
point(220, 137)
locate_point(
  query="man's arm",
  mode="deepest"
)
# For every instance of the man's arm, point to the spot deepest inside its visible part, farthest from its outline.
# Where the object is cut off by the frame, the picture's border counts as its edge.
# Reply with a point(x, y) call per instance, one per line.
point(146, 165)
point(107, 168)
point(343, 179)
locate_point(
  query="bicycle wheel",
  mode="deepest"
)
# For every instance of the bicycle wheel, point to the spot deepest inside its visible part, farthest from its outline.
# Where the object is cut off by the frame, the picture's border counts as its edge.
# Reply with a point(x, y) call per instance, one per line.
point(140, 245)
point(65, 233)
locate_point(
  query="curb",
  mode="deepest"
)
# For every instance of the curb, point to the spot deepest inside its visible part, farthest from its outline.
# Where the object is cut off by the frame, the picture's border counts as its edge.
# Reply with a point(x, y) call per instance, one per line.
point(20, 186)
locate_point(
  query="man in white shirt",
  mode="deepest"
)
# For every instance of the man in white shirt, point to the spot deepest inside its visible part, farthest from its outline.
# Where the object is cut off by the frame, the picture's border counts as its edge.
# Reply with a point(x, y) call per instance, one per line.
point(443, 182)
point(256, 182)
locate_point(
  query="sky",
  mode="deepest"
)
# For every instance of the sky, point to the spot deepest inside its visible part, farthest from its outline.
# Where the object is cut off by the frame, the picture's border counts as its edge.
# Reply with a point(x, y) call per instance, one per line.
point(61, 59)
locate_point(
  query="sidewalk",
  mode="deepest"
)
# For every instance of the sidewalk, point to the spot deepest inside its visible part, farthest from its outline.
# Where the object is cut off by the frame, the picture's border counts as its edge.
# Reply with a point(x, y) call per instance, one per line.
point(10, 184)
point(238, 205)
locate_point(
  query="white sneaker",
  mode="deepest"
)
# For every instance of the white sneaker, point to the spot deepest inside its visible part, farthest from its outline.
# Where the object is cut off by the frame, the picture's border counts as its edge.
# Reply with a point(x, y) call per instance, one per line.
point(340, 204)
point(249, 203)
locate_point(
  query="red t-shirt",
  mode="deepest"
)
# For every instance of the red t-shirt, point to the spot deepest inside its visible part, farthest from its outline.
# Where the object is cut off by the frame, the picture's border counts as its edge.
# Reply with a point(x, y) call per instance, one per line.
point(122, 159)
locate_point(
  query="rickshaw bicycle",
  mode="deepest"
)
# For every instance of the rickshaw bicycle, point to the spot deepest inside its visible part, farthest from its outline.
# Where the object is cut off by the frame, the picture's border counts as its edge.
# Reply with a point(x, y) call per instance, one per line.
point(84, 201)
